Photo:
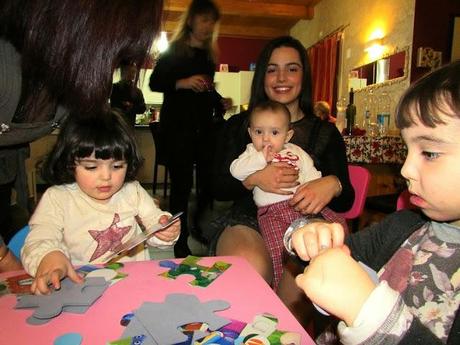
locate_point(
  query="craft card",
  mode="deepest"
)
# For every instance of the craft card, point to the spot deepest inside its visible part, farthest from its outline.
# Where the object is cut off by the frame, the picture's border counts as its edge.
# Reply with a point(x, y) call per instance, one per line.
point(110, 272)
point(17, 285)
point(142, 237)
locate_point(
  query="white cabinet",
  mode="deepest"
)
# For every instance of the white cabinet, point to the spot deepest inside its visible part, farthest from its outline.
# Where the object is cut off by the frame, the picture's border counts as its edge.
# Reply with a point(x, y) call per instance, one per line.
point(149, 96)
point(235, 85)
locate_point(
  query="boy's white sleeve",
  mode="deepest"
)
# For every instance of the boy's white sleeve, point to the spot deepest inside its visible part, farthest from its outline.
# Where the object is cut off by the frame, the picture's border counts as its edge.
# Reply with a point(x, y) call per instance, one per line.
point(149, 214)
point(383, 315)
point(247, 163)
point(46, 231)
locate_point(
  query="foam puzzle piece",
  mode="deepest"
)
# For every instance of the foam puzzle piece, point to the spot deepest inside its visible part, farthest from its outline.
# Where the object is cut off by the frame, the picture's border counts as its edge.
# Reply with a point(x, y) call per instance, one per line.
point(69, 295)
point(134, 329)
point(203, 275)
point(263, 325)
point(161, 321)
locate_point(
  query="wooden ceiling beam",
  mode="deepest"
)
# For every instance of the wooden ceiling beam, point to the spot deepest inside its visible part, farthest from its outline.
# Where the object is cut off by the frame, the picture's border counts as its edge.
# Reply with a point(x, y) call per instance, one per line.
point(251, 9)
point(234, 30)
point(248, 18)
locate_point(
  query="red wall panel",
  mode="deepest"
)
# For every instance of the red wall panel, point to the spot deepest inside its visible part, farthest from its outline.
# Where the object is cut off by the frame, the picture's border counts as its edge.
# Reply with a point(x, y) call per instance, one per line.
point(238, 53)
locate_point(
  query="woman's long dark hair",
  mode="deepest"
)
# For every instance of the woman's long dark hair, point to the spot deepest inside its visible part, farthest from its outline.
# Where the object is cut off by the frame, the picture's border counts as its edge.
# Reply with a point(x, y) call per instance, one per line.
point(258, 94)
point(106, 134)
point(69, 48)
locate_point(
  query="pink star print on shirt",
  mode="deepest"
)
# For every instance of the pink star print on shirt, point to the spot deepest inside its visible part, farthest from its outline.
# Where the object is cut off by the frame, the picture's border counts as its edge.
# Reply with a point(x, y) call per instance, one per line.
point(108, 239)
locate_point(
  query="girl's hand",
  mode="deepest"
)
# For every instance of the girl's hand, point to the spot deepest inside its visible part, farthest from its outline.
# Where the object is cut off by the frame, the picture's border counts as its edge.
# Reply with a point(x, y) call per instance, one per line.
point(313, 196)
point(274, 178)
point(309, 240)
point(53, 267)
point(197, 83)
point(337, 283)
point(170, 233)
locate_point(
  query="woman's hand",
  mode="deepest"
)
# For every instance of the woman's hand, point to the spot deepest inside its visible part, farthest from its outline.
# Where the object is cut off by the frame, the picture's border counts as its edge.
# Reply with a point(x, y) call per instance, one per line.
point(227, 103)
point(53, 267)
point(197, 83)
point(274, 178)
point(337, 283)
point(309, 240)
point(171, 232)
point(313, 196)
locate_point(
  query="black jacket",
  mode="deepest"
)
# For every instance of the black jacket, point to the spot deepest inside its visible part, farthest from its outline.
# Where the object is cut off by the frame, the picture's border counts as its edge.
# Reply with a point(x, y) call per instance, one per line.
point(186, 117)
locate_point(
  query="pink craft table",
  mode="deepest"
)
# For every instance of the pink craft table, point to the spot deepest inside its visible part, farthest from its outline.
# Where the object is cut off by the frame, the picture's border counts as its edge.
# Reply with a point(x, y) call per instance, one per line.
point(240, 285)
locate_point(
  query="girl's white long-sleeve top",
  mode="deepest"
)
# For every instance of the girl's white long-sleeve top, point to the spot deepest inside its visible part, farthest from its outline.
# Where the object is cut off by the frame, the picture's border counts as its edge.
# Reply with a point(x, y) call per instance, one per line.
point(68, 220)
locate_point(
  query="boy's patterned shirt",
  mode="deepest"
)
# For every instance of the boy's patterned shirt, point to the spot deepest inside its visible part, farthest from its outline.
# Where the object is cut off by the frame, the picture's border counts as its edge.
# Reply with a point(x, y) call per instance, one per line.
point(426, 272)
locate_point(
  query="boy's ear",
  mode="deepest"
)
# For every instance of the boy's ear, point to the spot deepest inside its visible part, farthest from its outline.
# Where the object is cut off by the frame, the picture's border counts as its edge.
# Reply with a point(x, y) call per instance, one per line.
point(249, 132)
point(289, 135)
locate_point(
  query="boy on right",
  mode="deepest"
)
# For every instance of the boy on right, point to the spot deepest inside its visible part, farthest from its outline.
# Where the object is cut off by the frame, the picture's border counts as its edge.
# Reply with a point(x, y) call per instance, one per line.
point(417, 257)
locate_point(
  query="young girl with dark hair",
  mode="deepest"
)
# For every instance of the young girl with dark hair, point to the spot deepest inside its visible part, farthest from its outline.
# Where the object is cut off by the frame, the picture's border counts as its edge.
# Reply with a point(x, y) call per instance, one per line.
point(56, 58)
point(95, 204)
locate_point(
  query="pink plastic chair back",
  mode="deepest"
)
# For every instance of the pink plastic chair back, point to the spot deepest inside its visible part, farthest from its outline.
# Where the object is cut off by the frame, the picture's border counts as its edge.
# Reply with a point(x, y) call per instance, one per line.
point(359, 178)
point(403, 201)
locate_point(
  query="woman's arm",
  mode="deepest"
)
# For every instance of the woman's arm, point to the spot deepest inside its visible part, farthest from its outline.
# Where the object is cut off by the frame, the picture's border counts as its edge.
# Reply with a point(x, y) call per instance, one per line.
point(334, 188)
point(164, 75)
point(336, 164)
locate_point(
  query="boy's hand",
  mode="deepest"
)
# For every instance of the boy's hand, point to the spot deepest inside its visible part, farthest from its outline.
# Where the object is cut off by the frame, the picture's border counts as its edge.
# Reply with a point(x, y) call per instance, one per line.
point(53, 267)
point(309, 240)
point(170, 233)
point(337, 283)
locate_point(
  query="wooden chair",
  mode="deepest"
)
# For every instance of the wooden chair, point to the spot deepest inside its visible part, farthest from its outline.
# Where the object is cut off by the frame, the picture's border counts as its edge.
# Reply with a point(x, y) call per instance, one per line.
point(360, 178)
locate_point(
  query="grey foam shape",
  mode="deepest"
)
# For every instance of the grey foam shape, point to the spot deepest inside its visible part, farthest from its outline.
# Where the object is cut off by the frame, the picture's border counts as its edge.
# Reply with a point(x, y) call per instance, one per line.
point(162, 320)
point(68, 296)
point(135, 327)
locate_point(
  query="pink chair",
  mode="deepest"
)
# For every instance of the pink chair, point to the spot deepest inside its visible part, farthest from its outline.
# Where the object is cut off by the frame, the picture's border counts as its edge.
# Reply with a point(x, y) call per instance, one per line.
point(403, 201)
point(359, 178)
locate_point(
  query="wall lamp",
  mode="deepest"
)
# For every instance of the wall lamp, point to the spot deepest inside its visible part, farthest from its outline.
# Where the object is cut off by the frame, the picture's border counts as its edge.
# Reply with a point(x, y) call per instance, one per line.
point(375, 48)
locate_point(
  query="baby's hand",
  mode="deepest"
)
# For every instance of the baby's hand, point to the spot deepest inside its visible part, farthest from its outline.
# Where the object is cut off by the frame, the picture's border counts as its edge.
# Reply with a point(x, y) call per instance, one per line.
point(268, 153)
point(337, 283)
point(309, 240)
point(170, 233)
point(53, 267)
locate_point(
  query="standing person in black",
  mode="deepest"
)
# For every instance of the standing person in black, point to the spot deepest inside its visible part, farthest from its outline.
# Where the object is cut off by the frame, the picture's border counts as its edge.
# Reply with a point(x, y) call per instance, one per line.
point(282, 74)
point(126, 96)
point(185, 73)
